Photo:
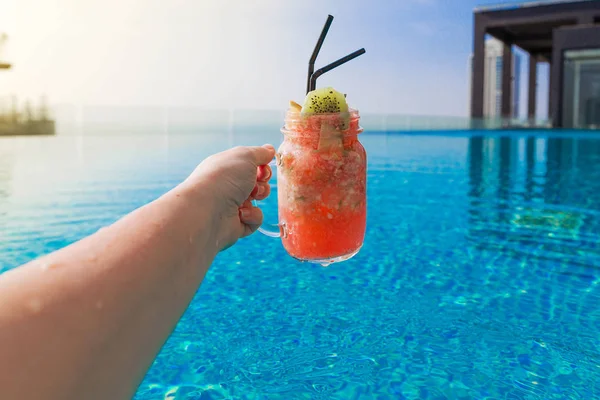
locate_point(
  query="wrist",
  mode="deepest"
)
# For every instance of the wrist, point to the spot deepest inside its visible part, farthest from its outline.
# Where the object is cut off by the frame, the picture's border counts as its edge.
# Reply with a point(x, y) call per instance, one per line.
point(202, 213)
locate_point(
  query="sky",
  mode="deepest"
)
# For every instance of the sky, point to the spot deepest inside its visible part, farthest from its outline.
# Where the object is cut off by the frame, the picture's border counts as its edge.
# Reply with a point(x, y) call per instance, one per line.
point(228, 54)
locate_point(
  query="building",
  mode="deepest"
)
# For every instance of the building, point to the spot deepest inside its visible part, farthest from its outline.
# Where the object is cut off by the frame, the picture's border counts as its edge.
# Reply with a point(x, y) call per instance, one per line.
point(492, 92)
point(563, 33)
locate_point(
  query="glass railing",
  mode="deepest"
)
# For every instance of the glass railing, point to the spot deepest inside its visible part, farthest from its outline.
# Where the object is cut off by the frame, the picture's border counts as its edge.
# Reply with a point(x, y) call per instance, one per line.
point(106, 120)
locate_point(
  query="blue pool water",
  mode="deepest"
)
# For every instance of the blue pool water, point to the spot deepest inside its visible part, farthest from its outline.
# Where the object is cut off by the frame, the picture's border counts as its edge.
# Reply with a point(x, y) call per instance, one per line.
point(479, 278)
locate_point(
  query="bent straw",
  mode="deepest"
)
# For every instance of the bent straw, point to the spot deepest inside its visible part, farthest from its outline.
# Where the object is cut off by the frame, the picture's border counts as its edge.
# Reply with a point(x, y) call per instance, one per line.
point(321, 71)
point(313, 58)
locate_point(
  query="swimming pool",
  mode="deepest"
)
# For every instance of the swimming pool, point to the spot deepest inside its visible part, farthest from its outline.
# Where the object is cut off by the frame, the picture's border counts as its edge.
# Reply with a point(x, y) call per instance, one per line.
point(479, 278)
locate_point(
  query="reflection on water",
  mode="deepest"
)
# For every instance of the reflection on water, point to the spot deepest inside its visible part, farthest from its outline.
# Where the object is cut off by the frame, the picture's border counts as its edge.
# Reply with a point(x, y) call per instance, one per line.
point(538, 197)
point(479, 277)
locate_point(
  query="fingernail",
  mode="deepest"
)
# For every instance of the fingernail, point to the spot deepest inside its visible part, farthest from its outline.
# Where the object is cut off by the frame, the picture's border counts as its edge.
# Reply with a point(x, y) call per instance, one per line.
point(244, 212)
point(261, 190)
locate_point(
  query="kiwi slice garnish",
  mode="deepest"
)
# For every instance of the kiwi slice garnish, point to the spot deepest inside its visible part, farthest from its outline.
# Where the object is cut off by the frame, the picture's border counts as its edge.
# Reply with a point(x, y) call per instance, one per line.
point(325, 101)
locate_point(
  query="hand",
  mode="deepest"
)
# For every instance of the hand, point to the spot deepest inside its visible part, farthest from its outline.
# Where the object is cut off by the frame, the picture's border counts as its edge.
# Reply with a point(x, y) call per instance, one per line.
point(235, 177)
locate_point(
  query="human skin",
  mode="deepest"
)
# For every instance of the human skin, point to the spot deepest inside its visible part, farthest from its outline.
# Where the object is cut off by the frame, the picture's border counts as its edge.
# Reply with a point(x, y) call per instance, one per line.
point(87, 321)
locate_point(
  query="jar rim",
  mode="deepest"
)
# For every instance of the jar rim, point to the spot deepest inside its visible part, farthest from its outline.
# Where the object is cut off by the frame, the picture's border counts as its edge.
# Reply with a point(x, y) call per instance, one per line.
point(297, 124)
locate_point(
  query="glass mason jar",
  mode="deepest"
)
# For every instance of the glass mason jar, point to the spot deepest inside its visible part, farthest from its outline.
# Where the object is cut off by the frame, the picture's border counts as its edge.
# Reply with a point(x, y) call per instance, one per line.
point(321, 186)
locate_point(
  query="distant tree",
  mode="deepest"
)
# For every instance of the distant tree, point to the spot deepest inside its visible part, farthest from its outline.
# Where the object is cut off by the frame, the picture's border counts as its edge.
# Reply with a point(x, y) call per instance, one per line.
point(28, 111)
point(15, 108)
point(43, 110)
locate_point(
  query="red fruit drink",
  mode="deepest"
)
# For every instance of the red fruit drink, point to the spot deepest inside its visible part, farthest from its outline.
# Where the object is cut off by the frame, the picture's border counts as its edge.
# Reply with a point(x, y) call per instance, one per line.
point(321, 186)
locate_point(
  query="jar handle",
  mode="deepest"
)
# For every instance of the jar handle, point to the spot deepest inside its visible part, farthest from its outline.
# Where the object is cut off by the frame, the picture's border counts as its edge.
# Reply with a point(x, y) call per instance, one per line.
point(270, 232)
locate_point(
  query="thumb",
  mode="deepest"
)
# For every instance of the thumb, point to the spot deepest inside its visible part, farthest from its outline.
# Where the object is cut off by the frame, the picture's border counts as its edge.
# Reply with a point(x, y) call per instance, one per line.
point(262, 155)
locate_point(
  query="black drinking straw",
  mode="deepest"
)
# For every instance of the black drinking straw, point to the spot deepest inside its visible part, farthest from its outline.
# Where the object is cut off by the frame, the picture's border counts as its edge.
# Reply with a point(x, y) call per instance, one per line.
point(313, 78)
point(313, 58)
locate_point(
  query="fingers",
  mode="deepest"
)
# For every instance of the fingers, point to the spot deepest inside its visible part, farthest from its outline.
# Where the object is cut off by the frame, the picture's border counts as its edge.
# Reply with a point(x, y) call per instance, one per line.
point(247, 204)
point(263, 173)
point(262, 155)
point(261, 191)
point(251, 216)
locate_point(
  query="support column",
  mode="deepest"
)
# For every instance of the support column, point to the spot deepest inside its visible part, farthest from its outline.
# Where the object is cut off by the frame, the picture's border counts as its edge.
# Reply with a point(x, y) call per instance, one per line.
point(530, 159)
point(552, 93)
point(477, 74)
point(506, 108)
point(532, 91)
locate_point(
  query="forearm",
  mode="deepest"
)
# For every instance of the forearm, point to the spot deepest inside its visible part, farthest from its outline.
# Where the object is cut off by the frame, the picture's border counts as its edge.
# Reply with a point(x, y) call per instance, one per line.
point(92, 316)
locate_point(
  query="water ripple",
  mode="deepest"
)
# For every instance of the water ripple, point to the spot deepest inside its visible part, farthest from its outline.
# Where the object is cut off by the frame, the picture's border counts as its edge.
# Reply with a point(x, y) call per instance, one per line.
point(479, 277)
